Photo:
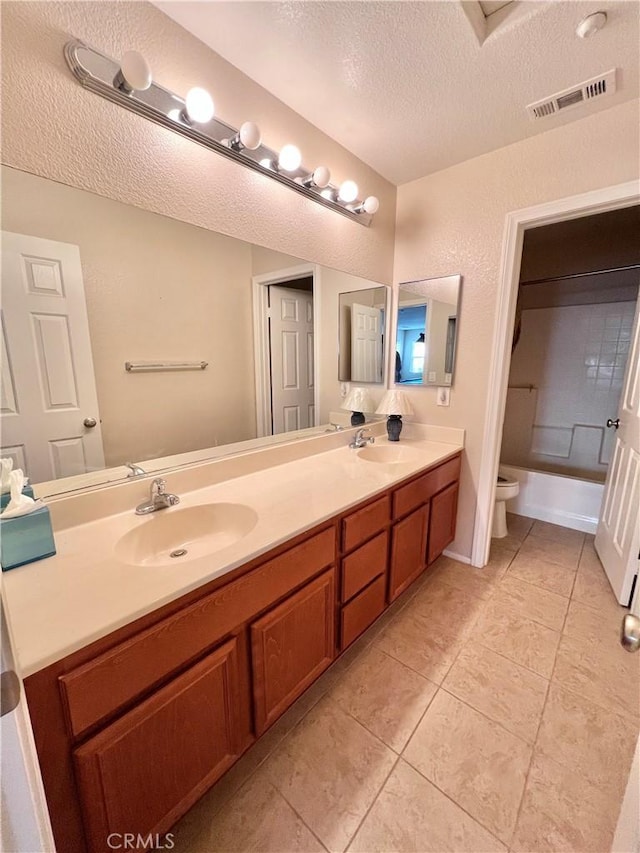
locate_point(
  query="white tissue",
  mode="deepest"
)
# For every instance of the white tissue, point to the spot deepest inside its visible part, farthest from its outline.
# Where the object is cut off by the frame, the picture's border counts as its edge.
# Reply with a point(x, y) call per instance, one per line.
point(19, 504)
point(6, 466)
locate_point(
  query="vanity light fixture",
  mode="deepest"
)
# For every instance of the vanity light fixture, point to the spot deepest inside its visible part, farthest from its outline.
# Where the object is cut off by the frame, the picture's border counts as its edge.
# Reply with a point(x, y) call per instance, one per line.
point(129, 83)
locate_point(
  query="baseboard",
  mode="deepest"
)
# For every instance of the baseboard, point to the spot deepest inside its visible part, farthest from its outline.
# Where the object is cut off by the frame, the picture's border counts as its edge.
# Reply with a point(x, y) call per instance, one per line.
point(458, 557)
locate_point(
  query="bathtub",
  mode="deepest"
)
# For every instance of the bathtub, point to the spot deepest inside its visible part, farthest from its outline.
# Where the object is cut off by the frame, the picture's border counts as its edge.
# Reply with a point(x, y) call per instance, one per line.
point(563, 500)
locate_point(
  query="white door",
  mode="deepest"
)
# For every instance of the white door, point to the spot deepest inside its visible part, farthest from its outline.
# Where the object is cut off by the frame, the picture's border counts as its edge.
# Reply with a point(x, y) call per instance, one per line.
point(366, 343)
point(49, 417)
point(618, 534)
point(292, 367)
point(25, 822)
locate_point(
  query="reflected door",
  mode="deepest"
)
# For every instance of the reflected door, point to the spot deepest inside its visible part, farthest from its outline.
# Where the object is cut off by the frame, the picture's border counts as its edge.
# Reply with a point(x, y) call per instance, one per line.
point(292, 368)
point(50, 419)
point(618, 534)
point(366, 343)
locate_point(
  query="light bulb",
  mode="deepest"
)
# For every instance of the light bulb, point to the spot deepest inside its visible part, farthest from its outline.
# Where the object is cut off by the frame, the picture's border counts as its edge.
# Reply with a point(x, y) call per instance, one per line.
point(348, 191)
point(321, 176)
point(250, 136)
point(134, 73)
point(370, 204)
point(289, 158)
point(199, 104)
point(266, 163)
point(329, 194)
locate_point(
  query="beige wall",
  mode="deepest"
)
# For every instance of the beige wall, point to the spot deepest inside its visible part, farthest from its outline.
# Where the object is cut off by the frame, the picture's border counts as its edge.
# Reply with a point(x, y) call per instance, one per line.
point(155, 289)
point(53, 127)
point(453, 222)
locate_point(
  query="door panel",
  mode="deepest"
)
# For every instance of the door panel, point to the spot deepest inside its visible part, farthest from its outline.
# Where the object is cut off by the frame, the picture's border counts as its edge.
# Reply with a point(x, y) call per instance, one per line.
point(366, 343)
point(618, 536)
point(48, 385)
point(292, 367)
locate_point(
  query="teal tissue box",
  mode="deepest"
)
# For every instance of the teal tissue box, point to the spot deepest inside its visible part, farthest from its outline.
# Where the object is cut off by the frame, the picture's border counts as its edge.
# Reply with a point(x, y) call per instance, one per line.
point(4, 499)
point(26, 539)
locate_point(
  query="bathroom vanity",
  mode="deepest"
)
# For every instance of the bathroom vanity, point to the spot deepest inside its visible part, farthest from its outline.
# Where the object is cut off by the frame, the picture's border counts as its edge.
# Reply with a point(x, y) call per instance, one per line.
point(133, 727)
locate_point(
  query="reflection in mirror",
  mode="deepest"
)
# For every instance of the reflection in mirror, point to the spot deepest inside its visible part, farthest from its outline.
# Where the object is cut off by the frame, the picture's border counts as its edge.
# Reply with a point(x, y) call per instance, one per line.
point(426, 333)
point(361, 331)
point(90, 284)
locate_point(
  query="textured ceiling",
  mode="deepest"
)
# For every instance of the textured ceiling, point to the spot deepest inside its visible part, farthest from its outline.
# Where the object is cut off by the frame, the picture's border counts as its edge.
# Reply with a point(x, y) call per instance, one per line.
point(413, 87)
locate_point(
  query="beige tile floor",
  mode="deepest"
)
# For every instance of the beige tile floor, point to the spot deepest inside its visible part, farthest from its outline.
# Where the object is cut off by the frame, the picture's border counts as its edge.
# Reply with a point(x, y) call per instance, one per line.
point(488, 710)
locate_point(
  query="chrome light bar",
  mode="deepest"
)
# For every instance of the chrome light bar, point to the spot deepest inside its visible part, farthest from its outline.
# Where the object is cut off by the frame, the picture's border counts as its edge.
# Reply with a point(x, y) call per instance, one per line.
point(103, 76)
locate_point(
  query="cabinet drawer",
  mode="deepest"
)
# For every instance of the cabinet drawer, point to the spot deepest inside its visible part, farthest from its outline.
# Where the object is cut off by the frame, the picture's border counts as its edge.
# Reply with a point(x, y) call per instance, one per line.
point(365, 523)
point(291, 645)
point(101, 687)
point(140, 774)
point(420, 490)
point(362, 611)
point(363, 565)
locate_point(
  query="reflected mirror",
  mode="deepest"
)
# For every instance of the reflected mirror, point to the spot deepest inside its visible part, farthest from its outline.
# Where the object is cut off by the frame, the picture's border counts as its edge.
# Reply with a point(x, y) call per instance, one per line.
point(133, 337)
point(361, 335)
point(426, 332)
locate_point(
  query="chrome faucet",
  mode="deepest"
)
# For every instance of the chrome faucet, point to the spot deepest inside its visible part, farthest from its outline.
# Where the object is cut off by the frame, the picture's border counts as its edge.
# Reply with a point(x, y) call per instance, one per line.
point(359, 439)
point(159, 499)
point(136, 470)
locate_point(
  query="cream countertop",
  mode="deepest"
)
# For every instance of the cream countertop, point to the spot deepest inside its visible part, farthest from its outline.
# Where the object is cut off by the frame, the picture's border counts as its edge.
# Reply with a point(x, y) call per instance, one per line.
point(60, 604)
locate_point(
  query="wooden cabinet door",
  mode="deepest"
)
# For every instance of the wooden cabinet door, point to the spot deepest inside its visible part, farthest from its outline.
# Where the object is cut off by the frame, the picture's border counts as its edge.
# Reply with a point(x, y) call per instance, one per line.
point(442, 525)
point(140, 774)
point(408, 550)
point(291, 645)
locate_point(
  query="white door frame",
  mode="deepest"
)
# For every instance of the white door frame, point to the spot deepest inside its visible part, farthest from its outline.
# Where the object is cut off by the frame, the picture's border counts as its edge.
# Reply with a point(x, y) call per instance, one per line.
point(260, 284)
point(517, 222)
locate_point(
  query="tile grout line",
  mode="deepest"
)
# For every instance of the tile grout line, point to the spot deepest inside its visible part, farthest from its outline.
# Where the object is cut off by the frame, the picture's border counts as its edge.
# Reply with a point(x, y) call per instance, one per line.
point(534, 743)
point(401, 757)
point(373, 802)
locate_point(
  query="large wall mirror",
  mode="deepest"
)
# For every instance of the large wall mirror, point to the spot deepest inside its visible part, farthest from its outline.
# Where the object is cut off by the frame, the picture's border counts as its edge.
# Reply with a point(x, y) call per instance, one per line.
point(427, 327)
point(361, 335)
point(131, 337)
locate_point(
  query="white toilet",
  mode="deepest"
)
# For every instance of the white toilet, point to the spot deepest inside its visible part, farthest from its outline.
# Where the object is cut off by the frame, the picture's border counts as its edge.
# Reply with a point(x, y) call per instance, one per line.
point(506, 488)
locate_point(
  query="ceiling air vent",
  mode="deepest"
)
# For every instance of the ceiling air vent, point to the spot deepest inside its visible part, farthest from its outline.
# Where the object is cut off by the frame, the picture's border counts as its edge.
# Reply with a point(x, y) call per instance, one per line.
point(590, 90)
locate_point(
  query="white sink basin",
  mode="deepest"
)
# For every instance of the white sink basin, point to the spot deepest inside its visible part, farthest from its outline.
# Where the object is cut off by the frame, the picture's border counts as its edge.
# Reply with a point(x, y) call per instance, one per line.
point(170, 537)
point(389, 453)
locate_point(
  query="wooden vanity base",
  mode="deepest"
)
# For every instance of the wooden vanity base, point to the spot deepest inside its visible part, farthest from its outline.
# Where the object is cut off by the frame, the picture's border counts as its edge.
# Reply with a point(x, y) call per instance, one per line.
point(133, 729)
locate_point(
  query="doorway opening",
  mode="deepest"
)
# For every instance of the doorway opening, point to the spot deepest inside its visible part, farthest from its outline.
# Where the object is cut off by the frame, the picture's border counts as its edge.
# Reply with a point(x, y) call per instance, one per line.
point(624, 471)
point(286, 350)
point(573, 329)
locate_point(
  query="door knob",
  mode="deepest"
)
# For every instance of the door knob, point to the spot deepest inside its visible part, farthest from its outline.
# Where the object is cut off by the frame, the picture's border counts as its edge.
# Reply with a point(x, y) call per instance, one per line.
point(89, 422)
point(611, 423)
point(630, 632)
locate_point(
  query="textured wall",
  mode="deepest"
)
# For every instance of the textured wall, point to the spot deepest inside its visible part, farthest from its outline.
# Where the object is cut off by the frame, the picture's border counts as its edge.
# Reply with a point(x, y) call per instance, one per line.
point(53, 127)
point(453, 222)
